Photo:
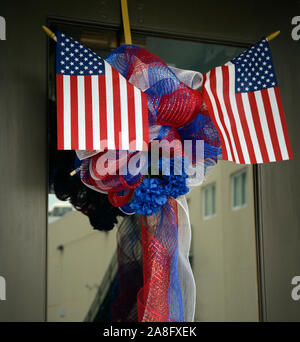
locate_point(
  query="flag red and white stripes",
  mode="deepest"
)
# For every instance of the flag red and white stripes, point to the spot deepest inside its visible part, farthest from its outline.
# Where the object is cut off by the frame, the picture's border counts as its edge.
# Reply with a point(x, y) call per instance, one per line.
point(98, 112)
point(251, 125)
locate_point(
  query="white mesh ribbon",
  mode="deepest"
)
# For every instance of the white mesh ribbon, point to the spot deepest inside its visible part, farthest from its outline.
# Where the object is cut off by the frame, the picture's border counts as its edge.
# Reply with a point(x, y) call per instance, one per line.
point(192, 79)
point(84, 154)
point(186, 278)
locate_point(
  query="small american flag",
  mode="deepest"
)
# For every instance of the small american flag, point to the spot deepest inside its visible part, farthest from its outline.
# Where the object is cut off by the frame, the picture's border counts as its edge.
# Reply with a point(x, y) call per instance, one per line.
point(244, 101)
point(97, 108)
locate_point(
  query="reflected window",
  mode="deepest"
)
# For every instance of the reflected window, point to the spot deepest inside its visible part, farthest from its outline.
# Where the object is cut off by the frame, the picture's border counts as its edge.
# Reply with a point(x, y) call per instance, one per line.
point(209, 201)
point(239, 188)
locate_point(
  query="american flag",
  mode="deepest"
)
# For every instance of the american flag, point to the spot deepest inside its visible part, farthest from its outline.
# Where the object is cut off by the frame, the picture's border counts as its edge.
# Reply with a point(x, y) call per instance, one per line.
point(244, 101)
point(97, 108)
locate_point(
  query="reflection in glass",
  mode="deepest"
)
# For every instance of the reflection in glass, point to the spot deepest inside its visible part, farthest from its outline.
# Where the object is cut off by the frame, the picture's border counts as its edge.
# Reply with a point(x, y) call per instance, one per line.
point(209, 200)
point(239, 189)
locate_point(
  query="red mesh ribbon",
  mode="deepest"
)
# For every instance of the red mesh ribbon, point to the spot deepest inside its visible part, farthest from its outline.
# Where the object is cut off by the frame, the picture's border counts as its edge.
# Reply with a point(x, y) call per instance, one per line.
point(117, 200)
point(159, 245)
point(119, 187)
point(170, 101)
point(180, 107)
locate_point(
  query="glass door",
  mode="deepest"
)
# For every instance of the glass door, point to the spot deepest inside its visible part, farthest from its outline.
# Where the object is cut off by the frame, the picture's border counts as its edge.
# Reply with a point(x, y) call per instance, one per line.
point(82, 261)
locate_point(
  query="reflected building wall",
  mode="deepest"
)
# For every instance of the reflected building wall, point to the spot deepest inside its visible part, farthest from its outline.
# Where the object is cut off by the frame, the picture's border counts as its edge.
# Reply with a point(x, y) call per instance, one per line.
point(78, 258)
point(223, 250)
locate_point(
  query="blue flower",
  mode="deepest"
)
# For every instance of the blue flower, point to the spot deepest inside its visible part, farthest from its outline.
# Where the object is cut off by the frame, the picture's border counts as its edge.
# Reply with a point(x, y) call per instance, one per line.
point(150, 195)
point(175, 186)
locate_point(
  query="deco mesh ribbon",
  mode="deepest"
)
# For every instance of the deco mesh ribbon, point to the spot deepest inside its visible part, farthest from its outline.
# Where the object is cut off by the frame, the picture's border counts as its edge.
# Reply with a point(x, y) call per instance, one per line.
point(155, 281)
point(165, 292)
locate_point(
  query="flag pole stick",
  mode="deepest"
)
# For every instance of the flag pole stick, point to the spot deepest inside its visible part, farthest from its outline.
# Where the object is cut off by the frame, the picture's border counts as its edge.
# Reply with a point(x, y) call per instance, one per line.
point(273, 35)
point(126, 22)
point(49, 33)
point(73, 173)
